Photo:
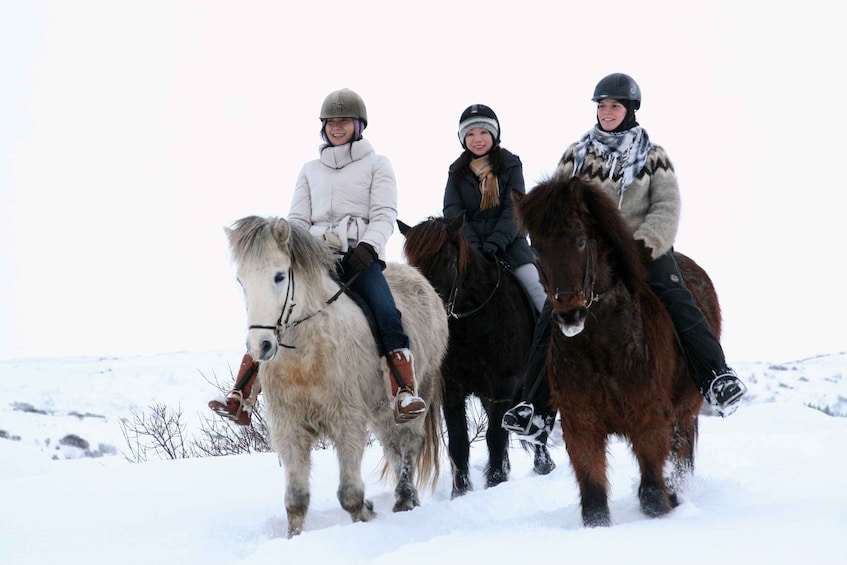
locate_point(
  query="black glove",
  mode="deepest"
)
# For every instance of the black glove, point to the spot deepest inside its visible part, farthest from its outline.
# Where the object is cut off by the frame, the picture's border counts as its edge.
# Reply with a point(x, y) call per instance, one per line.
point(490, 250)
point(645, 252)
point(361, 256)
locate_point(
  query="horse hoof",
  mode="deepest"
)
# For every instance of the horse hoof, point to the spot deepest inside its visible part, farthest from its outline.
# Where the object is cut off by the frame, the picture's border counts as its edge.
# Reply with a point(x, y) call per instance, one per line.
point(406, 504)
point(597, 519)
point(457, 492)
point(654, 502)
point(366, 513)
point(495, 479)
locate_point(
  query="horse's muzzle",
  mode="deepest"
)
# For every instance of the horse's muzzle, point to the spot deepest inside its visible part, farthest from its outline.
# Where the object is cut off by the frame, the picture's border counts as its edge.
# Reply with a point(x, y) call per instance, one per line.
point(571, 322)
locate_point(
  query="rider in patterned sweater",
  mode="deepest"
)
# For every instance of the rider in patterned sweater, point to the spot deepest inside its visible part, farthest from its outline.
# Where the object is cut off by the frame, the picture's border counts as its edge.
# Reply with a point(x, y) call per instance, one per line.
point(617, 154)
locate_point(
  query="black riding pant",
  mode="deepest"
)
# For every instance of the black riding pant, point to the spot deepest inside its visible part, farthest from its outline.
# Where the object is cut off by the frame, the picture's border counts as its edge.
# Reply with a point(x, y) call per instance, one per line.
point(536, 388)
point(704, 352)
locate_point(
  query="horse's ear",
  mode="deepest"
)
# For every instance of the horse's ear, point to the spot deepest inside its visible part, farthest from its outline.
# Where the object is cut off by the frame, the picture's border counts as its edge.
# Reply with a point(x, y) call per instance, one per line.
point(281, 230)
point(454, 224)
point(403, 227)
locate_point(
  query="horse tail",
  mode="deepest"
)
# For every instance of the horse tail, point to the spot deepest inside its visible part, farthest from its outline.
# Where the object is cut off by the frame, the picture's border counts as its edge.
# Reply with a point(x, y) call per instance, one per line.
point(430, 457)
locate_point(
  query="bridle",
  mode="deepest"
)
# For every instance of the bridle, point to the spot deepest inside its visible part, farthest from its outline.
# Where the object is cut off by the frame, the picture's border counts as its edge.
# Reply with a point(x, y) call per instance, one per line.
point(450, 305)
point(284, 323)
point(586, 293)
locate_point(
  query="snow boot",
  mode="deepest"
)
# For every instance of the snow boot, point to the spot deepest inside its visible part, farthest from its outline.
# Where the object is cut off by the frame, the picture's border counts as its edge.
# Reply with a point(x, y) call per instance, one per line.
point(238, 404)
point(400, 373)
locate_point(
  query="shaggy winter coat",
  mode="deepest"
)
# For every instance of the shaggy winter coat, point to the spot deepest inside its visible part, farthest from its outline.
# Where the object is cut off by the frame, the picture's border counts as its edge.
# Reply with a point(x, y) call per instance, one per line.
point(497, 224)
point(650, 205)
point(349, 191)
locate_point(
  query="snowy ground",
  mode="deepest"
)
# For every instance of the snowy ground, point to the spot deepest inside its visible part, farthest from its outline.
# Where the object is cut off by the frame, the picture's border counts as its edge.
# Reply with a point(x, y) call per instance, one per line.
point(769, 483)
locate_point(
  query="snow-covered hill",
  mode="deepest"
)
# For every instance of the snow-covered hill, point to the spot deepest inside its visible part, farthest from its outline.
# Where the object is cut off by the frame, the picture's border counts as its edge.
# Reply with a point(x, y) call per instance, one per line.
point(769, 484)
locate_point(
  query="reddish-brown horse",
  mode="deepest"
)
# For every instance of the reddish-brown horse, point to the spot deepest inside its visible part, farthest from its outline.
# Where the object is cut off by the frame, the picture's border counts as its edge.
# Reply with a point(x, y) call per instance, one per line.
point(614, 364)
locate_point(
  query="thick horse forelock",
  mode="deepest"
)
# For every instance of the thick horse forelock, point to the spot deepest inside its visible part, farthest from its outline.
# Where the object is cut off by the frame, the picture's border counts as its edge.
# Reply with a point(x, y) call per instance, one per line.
point(253, 239)
point(548, 208)
point(556, 204)
point(425, 241)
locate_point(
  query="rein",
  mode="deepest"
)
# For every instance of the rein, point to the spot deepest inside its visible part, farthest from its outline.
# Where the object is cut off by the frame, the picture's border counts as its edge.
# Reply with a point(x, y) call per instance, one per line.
point(284, 325)
point(450, 307)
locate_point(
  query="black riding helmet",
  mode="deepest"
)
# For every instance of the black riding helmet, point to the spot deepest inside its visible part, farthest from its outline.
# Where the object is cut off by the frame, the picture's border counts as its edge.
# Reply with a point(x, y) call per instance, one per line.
point(625, 90)
point(620, 87)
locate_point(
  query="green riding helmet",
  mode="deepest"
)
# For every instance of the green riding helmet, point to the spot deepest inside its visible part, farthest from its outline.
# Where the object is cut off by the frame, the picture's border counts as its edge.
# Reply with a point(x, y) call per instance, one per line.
point(344, 103)
point(618, 86)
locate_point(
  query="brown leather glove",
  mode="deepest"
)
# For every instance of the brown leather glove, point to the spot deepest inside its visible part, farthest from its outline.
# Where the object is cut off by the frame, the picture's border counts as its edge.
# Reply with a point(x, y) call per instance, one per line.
point(361, 256)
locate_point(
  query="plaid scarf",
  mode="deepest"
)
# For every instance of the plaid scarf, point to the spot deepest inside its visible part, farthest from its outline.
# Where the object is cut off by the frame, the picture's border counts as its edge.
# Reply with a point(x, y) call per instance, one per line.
point(488, 185)
point(624, 153)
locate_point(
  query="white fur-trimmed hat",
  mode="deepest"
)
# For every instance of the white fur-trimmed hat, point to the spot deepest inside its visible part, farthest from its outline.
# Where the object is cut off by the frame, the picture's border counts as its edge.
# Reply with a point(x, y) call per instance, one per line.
point(479, 116)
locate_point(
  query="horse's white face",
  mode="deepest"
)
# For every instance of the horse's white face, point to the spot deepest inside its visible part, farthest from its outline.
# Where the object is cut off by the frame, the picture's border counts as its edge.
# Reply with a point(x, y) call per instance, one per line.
point(267, 288)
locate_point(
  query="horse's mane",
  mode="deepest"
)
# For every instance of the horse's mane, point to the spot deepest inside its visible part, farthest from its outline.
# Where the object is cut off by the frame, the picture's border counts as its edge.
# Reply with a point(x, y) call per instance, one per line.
point(556, 203)
point(254, 238)
point(425, 241)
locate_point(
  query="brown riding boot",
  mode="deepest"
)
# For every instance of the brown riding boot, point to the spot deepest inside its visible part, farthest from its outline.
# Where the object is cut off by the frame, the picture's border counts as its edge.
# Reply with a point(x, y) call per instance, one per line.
point(407, 404)
point(238, 404)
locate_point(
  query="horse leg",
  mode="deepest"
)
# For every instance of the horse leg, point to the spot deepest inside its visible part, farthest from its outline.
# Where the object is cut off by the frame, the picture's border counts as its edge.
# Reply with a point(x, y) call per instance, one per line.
point(405, 493)
point(587, 451)
point(458, 444)
point(497, 440)
point(652, 449)
point(683, 441)
point(543, 463)
point(296, 458)
point(403, 452)
point(351, 489)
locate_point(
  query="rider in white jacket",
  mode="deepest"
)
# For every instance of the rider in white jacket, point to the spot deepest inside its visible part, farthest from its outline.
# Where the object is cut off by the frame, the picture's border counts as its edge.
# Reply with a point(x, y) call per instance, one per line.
point(348, 197)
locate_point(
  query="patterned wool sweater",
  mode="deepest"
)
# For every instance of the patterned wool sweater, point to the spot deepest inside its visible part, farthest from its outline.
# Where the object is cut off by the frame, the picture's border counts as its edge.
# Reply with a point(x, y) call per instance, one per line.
point(650, 205)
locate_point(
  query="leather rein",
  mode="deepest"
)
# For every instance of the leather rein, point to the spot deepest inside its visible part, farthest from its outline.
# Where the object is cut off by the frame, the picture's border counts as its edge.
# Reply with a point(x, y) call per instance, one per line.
point(450, 306)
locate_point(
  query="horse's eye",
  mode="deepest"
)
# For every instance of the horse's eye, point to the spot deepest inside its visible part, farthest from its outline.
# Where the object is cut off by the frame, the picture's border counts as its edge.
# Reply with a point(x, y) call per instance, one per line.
point(581, 242)
point(279, 277)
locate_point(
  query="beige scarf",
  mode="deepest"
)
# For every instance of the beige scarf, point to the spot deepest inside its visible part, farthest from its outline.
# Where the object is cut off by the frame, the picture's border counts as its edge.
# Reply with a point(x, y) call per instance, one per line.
point(488, 185)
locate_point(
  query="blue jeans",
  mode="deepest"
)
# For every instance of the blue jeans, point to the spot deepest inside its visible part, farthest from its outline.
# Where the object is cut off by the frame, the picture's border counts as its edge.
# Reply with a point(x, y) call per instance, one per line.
point(373, 288)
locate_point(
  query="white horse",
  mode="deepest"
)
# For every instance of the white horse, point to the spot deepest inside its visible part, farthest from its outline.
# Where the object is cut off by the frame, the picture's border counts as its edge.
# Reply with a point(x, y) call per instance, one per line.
point(320, 367)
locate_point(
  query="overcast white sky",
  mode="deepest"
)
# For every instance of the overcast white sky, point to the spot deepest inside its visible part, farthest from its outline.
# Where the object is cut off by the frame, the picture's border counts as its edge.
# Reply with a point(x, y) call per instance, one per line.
point(132, 132)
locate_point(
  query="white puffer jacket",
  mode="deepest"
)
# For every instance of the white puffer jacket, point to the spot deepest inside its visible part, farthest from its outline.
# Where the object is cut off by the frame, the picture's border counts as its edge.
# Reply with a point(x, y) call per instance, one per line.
point(350, 191)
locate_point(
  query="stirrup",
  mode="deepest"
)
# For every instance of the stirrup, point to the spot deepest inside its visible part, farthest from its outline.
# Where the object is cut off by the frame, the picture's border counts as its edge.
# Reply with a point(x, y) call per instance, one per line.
point(402, 417)
point(241, 415)
point(518, 419)
point(725, 392)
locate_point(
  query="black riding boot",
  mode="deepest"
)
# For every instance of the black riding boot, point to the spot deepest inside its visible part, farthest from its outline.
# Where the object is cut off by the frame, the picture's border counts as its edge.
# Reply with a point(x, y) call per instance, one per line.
point(716, 381)
point(532, 419)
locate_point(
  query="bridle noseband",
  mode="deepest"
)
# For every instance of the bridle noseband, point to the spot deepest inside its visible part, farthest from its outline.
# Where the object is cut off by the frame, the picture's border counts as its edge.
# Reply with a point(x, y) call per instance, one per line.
point(283, 325)
point(586, 294)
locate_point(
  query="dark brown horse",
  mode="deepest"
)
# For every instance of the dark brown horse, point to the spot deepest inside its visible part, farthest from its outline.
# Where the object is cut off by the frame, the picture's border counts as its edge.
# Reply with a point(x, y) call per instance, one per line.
point(614, 365)
point(491, 322)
